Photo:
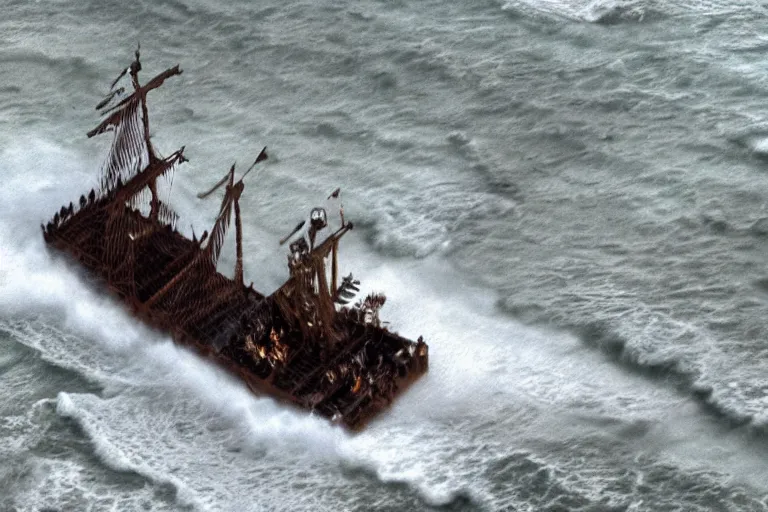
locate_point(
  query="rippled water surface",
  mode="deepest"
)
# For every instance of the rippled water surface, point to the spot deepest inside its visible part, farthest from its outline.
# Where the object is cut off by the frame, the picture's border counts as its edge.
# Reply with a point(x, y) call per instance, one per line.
point(566, 198)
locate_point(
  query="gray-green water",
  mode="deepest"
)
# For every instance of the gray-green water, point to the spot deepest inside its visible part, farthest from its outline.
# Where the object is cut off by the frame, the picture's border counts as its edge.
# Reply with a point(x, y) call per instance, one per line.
point(566, 198)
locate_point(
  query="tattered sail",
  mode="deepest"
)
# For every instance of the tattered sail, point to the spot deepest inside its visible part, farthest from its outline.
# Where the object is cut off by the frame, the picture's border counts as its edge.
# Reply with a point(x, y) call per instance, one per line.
point(219, 231)
point(131, 151)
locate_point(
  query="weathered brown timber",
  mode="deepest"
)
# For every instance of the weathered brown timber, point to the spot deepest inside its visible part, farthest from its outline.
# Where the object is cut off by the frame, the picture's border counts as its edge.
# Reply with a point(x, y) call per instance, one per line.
point(302, 344)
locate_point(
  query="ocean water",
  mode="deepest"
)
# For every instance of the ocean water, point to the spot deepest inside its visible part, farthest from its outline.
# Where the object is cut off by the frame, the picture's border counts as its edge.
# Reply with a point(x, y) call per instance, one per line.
point(566, 198)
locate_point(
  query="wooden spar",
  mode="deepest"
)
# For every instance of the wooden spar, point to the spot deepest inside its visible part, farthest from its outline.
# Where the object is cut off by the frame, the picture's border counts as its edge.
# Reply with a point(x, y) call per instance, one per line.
point(238, 220)
point(334, 266)
point(295, 230)
point(154, 201)
point(134, 69)
point(203, 195)
point(142, 95)
point(238, 243)
point(144, 112)
point(333, 238)
point(262, 156)
point(322, 250)
point(165, 289)
point(144, 178)
point(115, 117)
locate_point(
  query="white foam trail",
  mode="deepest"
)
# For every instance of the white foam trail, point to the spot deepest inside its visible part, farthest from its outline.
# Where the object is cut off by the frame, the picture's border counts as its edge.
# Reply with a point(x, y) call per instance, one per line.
point(34, 283)
point(489, 379)
point(485, 369)
point(114, 456)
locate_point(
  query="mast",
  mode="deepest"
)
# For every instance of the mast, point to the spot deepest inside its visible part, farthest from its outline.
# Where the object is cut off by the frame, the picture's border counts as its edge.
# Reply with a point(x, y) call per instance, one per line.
point(210, 254)
point(132, 150)
point(239, 244)
point(307, 297)
point(130, 170)
point(230, 201)
point(219, 231)
point(334, 266)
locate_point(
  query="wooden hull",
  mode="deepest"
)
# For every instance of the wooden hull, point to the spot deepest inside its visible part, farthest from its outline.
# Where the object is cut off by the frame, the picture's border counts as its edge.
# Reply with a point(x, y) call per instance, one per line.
point(349, 373)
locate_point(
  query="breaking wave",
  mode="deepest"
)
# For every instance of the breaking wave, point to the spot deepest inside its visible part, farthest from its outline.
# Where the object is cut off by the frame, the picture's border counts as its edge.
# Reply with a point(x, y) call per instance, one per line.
point(613, 12)
point(111, 455)
point(165, 414)
point(150, 387)
point(736, 401)
point(604, 12)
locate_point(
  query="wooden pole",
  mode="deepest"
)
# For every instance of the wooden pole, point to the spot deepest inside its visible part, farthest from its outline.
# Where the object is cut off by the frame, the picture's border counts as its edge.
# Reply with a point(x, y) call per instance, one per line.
point(334, 266)
point(239, 245)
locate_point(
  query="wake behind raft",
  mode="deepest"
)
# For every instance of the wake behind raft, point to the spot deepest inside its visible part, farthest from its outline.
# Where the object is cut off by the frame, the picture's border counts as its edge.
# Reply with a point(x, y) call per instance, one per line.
point(303, 344)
